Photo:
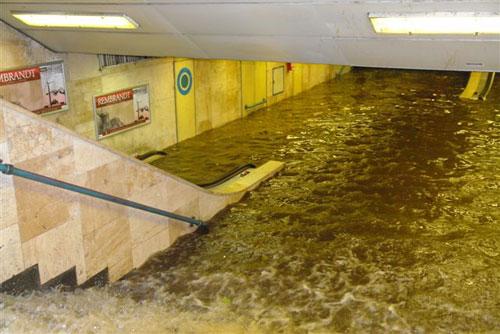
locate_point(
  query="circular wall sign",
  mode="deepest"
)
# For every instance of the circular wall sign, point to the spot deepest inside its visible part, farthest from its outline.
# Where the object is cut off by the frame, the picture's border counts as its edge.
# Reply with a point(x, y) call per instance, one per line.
point(184, 81)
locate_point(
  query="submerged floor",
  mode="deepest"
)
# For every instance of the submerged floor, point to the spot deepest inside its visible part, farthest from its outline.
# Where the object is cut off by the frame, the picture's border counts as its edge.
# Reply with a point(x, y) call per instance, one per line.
point(386, 218)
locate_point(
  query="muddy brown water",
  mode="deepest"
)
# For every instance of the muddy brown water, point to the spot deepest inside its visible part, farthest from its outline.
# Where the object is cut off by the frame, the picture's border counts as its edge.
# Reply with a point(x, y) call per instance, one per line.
point(385, 219)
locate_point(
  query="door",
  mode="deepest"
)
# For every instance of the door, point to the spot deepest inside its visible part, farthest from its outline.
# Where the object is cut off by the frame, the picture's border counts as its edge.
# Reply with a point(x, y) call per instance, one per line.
point(184, 99)
point(278, 80)
point(253, 86)
point(297, 78)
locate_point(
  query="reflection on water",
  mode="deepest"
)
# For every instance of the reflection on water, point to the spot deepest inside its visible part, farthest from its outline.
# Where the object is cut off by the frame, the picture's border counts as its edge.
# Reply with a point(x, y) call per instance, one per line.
point(386, 218)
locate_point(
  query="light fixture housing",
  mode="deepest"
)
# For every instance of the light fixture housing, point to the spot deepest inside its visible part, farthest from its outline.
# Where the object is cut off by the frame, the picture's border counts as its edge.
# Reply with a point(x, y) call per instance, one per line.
point(450, 23)
point(79, 21)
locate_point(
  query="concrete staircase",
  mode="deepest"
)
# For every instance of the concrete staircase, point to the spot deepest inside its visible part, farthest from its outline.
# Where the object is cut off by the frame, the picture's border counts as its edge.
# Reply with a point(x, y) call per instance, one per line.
point(49, 232)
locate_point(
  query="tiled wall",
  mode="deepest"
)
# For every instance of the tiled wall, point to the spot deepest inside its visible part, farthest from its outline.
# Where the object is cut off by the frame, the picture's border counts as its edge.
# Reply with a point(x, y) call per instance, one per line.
point(218, 90)
point(58, 230)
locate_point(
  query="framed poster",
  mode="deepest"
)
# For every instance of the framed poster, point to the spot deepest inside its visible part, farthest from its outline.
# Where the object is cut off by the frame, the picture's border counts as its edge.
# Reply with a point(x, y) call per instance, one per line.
point(121, 110)
point(40, 88)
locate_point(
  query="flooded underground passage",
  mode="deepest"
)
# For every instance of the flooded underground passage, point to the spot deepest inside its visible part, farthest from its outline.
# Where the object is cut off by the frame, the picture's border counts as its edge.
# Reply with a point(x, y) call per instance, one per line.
point(249, 167)
point(384, 219)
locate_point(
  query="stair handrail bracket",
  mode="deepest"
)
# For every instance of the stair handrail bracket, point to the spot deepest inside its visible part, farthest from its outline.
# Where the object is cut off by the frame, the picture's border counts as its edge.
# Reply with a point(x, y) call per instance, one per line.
point(6, 169)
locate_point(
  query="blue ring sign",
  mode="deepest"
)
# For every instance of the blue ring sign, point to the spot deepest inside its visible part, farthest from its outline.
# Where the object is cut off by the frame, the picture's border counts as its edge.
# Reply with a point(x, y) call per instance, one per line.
point(184, 81)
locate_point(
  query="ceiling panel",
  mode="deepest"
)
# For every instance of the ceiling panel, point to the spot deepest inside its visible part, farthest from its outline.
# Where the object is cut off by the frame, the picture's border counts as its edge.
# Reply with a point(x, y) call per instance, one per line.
point(292, 49)
point(121, 44)
point(350, 18)
point(148, 17)
point(422, 54)
point(315, 31)
point(246, 20)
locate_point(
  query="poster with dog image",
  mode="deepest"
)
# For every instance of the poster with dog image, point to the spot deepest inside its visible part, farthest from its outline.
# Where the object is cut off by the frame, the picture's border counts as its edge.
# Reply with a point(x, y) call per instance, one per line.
point(121, 110)
point(38, 88)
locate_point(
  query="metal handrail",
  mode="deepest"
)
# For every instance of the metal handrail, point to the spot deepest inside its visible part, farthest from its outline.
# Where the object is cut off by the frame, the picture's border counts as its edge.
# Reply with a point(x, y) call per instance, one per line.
point(256, 104)
point(149, 154)
point(228, 176)
point(11, 170)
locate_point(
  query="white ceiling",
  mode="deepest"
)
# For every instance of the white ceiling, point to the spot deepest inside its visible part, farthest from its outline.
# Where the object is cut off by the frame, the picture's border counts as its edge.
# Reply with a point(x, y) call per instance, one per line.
point(323, 31)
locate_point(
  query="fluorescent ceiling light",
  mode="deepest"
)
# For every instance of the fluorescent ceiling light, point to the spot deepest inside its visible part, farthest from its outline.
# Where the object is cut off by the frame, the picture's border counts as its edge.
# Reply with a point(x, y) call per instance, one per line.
point(93, 21)
point(436, 23)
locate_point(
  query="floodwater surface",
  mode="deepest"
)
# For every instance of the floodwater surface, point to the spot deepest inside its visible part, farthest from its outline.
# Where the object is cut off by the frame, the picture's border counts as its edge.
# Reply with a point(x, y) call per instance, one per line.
point(386, 218)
